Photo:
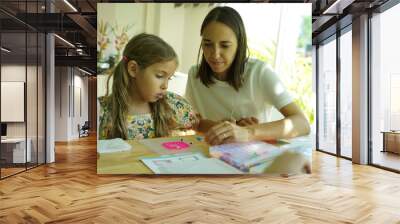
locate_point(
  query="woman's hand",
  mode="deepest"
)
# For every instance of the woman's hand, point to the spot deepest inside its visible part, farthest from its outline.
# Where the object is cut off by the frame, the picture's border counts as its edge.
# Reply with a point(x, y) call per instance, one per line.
point(247, 121)
point(227, 132)
point(289, 163)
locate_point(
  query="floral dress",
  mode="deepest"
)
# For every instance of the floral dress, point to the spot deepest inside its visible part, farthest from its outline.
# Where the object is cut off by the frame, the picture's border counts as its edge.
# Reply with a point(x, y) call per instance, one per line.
point(142, 126)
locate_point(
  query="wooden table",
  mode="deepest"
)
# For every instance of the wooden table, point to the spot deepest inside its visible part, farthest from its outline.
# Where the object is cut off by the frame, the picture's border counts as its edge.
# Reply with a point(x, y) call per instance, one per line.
point(129, 162)
point(14, 151)
point(391, 141)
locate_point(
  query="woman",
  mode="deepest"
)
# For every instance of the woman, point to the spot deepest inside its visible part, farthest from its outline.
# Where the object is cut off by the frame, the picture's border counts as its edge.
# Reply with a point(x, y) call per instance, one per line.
point(227, 86)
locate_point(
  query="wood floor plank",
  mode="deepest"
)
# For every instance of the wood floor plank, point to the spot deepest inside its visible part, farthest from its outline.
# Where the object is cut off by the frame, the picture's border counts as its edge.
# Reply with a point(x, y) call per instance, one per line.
point(70, 191)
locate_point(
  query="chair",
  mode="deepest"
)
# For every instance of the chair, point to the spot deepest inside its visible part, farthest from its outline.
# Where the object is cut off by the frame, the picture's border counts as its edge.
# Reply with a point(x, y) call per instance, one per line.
point(84, 130)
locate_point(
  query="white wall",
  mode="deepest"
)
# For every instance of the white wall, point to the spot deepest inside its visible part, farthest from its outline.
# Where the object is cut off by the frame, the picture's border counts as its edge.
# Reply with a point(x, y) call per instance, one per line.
point(80, 83)
point(151, 18)
point(171, 24)
point(61, 103)
point(194, 17)
point(14, 72)
point(67, 114)
point(120, 15)
point(34, 124)
point(179, 26)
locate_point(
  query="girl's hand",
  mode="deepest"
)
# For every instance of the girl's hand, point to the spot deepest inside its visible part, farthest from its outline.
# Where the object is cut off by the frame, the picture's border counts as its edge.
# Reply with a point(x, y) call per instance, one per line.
point(227, 132)
point(247, 121)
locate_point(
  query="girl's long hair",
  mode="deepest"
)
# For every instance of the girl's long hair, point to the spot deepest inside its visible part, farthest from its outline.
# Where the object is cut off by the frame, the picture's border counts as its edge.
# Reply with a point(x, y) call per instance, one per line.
point(232, 19)
point(145, 49)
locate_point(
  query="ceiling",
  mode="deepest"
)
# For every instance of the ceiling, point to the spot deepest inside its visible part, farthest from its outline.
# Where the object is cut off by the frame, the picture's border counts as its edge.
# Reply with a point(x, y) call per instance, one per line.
point(77, 23)
point(330, 15)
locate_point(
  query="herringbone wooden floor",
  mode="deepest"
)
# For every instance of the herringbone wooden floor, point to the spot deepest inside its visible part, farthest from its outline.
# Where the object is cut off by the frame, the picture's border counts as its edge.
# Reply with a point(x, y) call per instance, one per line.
point(70, 191)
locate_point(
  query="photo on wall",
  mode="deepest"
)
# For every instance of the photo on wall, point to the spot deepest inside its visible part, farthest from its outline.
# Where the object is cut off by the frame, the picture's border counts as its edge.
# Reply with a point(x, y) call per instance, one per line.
point(204, 88)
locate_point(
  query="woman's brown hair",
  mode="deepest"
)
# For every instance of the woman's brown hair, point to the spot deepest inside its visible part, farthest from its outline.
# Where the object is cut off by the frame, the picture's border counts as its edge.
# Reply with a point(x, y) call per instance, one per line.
point(145, 50)
point(232, 19)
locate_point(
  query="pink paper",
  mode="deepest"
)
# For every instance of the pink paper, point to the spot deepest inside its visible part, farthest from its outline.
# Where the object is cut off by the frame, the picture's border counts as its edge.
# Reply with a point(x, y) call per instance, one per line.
point(178, 145)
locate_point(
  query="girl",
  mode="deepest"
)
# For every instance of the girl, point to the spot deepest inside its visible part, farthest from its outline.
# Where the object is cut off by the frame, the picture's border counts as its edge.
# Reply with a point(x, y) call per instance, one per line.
point(140, 105)
point(227, 85)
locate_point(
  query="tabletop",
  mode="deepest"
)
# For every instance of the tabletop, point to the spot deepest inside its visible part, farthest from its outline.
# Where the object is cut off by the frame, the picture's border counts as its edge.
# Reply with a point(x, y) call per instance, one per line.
point(129, 162)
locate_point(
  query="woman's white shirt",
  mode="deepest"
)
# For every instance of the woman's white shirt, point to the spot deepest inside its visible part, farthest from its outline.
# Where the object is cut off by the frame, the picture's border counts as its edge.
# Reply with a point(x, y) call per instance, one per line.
point(261, 91)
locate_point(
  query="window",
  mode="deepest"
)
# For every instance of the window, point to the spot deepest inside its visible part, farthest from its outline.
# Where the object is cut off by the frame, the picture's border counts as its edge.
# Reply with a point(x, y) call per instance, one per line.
point(327, 96)
point(22, 65)
point(385, 84)
point(346, 94)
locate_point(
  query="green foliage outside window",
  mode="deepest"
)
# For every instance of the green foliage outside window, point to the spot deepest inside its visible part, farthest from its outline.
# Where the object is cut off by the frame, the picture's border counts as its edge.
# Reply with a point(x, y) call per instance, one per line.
point(296, 76)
